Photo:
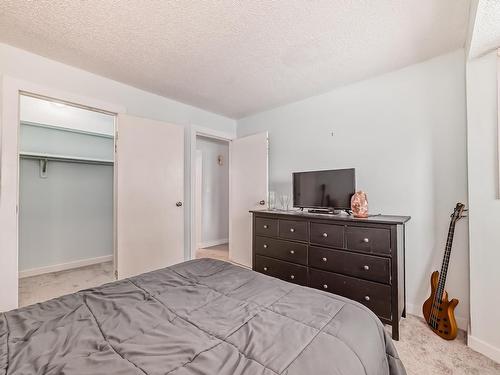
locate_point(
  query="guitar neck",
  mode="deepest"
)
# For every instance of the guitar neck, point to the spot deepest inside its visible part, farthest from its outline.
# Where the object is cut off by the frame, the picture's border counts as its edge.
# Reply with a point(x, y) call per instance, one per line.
point(446, 259)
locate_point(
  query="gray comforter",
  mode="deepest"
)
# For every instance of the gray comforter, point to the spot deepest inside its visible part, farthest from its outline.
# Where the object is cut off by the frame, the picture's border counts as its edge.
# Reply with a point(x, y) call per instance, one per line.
point(198, 317)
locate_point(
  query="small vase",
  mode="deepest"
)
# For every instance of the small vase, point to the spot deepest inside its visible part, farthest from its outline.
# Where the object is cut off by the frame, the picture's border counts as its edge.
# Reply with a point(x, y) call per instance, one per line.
point(359, 204)
point(285, 202)
point(272, 200)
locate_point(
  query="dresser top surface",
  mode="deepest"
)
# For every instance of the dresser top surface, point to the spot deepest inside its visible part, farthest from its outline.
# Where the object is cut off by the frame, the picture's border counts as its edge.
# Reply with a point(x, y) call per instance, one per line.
point(386, 219)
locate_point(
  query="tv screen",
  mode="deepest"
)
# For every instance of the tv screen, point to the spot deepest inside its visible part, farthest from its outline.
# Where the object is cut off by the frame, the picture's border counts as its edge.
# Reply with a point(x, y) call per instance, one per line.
point(324, 189)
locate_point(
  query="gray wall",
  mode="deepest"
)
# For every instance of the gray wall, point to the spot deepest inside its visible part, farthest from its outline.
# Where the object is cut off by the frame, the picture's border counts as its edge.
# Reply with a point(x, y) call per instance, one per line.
point(46, 140)
point(215, 190)
point(67, 216)
point(405, 133)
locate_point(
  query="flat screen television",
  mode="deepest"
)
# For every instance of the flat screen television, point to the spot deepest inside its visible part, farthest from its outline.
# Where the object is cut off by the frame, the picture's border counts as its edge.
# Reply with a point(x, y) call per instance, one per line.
point(331, 189)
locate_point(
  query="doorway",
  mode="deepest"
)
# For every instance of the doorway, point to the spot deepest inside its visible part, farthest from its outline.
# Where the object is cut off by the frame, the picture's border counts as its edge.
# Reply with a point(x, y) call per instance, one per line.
point(66, 198)
point(212, 198)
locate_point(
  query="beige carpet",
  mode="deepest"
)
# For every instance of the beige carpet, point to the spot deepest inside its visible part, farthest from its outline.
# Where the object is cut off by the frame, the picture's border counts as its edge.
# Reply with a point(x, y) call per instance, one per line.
point(220, 252)
point(51, 285)
point(425, 353)
point(422, 352)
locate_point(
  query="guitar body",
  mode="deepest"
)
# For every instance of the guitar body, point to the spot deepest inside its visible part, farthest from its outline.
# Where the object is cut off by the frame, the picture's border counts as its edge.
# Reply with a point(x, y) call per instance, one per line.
point(442, 319)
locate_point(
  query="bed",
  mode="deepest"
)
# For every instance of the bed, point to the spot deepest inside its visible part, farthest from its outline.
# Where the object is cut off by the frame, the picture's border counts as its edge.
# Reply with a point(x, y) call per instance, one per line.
point(198, 317)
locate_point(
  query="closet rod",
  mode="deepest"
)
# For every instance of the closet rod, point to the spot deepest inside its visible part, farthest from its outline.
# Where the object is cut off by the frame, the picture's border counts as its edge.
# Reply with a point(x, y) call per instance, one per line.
point(66, 159)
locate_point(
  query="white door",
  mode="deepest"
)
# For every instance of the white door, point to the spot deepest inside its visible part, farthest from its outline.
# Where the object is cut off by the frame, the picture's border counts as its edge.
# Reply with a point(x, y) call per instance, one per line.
point(248, 191)
point(149, 195)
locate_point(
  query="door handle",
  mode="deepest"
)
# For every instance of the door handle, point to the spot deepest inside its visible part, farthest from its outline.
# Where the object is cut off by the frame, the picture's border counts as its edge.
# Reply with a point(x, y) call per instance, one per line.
point(262, 202)
point(179, 204)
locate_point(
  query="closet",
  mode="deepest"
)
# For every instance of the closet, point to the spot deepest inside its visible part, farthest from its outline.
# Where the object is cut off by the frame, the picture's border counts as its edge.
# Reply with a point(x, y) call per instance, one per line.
point(66, 167)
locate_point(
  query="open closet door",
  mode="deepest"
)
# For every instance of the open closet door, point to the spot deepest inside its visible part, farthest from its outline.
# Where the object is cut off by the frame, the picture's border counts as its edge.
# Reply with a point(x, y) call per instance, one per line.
point(149, 195)
point(248, 191)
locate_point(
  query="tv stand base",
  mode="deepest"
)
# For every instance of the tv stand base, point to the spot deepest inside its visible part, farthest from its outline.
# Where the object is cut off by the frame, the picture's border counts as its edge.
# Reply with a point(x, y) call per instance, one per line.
point(321, 211)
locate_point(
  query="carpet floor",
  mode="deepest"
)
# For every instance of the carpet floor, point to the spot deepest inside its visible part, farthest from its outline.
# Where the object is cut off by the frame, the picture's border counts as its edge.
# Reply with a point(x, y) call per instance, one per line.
point(51, 285)
point(425, 353)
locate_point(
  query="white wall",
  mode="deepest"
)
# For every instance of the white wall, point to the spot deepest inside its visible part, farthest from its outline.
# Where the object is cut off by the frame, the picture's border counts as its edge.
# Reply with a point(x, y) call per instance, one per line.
point(484, 215)
point(44, 72)
point(215, 191)
point(405, 133)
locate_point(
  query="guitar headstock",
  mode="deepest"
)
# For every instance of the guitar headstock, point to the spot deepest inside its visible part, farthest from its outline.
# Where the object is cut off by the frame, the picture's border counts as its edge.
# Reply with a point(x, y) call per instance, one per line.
point(458, 212)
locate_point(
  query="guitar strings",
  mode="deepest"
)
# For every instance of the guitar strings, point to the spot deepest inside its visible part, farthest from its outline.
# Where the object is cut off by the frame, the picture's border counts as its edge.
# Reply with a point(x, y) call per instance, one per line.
point(438, 297)
point(437, 300)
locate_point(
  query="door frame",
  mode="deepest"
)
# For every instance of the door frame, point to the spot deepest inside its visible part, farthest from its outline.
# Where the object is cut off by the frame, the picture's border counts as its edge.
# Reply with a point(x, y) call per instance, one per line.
point(196, 131)
point(198, 197)
point(11, 89)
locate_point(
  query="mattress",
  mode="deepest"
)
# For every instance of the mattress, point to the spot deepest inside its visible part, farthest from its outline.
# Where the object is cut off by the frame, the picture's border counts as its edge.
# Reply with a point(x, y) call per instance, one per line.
point(198, 317)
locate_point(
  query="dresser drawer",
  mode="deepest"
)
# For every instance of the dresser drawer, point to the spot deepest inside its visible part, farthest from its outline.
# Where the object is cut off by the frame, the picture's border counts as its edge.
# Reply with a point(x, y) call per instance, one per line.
point(282, 270)
point(266, 227)
point(293, 230)
point(364, 266)
point(285, 250)
point(327, 234)
point(370, 240)
point(376, 297)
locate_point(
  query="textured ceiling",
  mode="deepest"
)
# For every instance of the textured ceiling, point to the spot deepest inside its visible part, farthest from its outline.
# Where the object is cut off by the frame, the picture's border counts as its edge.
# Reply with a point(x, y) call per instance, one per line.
point(486, 34)
point(236, 57)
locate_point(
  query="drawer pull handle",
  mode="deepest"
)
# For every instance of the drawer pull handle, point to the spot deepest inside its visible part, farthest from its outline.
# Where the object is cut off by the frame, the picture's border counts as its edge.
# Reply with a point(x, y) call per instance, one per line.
point(366, 240)
point(325, 286)
point(324, 259)
point(292, 230)
point(325, 235)
point(367, 298)
point(265, 246)
point(292, 252)
point(292, 277)
point(265, 226)
point(265, 268)
point(366, 268)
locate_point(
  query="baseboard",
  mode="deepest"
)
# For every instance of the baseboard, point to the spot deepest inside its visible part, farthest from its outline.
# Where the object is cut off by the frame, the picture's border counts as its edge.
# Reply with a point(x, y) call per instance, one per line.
point(484, 348)
point(205, 244)
point(462, 323)
point(64, 266)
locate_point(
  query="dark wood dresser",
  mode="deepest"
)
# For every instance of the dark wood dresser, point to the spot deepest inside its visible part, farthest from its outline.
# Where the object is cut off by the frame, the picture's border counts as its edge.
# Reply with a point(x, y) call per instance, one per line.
point(361, 259)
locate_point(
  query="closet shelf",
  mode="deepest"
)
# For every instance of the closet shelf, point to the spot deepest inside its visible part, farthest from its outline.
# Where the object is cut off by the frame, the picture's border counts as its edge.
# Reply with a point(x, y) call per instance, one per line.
point(69, 130)
point(65, 158)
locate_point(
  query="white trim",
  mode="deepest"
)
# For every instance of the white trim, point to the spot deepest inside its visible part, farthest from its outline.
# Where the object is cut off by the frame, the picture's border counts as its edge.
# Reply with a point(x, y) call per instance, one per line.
point(498, 122)
point(9, 174)
point(209, 133)
point(206, 244)
point(64, 266)
point(484, 348)
point(462, 322)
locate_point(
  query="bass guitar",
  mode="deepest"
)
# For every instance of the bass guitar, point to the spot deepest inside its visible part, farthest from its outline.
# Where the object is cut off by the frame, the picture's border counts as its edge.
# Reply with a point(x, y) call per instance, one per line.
point(439, 313)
